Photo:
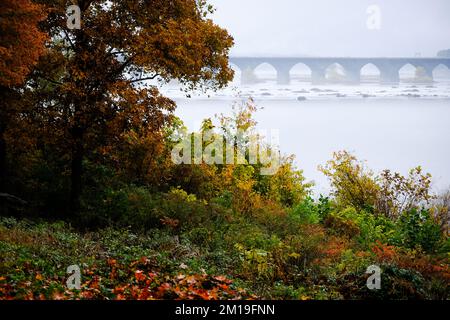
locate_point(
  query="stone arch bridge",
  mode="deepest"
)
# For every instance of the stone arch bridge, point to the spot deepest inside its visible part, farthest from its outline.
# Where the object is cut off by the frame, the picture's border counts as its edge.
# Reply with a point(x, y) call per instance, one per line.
point(388, 67)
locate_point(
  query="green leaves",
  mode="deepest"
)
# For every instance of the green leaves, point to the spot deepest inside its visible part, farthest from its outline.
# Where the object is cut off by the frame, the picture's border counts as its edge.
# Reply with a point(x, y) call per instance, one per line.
point(419, 230)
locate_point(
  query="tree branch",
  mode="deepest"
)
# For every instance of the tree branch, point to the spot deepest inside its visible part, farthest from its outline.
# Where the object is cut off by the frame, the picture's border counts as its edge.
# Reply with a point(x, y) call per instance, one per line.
point(146, 78)
point(70, 40)
point(50, 80)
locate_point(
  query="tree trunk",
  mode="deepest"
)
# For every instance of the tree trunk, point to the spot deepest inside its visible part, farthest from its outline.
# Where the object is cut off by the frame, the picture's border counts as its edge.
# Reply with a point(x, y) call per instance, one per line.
point(76, 172)
point(2, 160)
point(6, 96)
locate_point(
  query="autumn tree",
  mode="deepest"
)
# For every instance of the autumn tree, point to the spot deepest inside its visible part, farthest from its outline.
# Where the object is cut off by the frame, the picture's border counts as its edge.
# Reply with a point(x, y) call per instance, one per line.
point(21, 44)
point(441, 211)
point(352, 183)
point(99, 73)
point(399, 194)
point(388, 193)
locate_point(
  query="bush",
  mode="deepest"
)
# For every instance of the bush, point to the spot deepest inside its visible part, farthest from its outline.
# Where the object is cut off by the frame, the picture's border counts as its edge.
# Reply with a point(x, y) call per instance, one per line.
point(307, 211)
point(419, 230)
point(371, 228)
point(389, 193)
point(353, 184)
point(398, 283)
point(129, 206)
point(342, 225)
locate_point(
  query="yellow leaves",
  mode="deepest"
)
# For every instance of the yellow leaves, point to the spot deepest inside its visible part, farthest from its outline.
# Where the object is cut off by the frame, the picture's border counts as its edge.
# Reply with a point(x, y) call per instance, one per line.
point(294, 255)
point(388, 193)
point(257, 261)
point(353, 185)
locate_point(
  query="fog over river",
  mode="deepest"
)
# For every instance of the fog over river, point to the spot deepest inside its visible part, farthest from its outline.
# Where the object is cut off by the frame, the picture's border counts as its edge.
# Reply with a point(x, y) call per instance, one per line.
point(392, 127)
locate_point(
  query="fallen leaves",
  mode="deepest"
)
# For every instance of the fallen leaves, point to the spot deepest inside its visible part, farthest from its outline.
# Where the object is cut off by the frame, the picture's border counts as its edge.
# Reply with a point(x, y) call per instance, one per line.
point(139, 275)
point(137, 281)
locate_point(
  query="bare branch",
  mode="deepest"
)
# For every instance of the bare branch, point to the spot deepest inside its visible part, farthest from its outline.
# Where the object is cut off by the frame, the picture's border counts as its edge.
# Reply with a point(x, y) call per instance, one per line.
point(146, 78)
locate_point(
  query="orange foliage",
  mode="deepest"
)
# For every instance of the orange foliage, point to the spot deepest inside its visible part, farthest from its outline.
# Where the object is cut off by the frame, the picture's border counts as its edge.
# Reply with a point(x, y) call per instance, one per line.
point(384, 252)
point(141, 284)
point(21, 44)
point(21, 41)
point(171, 223)
point(426, 265)
point(92, 94)
point(334, 247)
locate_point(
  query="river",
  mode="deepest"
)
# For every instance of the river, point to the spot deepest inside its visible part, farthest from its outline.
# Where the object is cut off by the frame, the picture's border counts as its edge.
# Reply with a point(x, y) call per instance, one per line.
point(395, 127)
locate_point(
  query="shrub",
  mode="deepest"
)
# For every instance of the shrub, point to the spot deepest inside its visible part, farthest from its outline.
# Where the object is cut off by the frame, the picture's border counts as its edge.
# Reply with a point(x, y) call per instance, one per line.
point(342, 225)
point(398, 283)
point(399, 194)
point(127, 206)
point(353, 184)
point(420, 230)
point(440, 211)
point(371, 228)
point(287, 186)
point(307, 211)
point(389, 193)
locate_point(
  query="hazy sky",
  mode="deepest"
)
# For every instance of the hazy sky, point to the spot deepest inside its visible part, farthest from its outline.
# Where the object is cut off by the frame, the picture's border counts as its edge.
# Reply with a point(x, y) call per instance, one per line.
point(335, 27)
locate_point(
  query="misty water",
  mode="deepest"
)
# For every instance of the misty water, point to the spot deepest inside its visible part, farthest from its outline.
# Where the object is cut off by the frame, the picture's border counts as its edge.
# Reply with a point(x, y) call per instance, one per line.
point(391, 127)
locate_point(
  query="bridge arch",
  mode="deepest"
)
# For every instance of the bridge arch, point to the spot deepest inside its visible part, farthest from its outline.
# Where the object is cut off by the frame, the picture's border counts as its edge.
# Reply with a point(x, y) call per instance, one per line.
point(370, 73)
point(237, 80)
point(407, 73)
point(265, 72)
point(441, 71)
point(389, 67)
point(300, 72)
point(335, 72)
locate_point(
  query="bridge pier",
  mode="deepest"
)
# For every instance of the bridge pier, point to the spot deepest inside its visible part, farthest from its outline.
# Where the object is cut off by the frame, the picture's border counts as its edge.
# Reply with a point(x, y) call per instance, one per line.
point(247, 71)
point(389, 77)
point(283, 69)
point(353, 75)
point(389, 70)
point(352, 71)
point(317, 76)
point(283, 77)
point(248, 76)
point(429, 74)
